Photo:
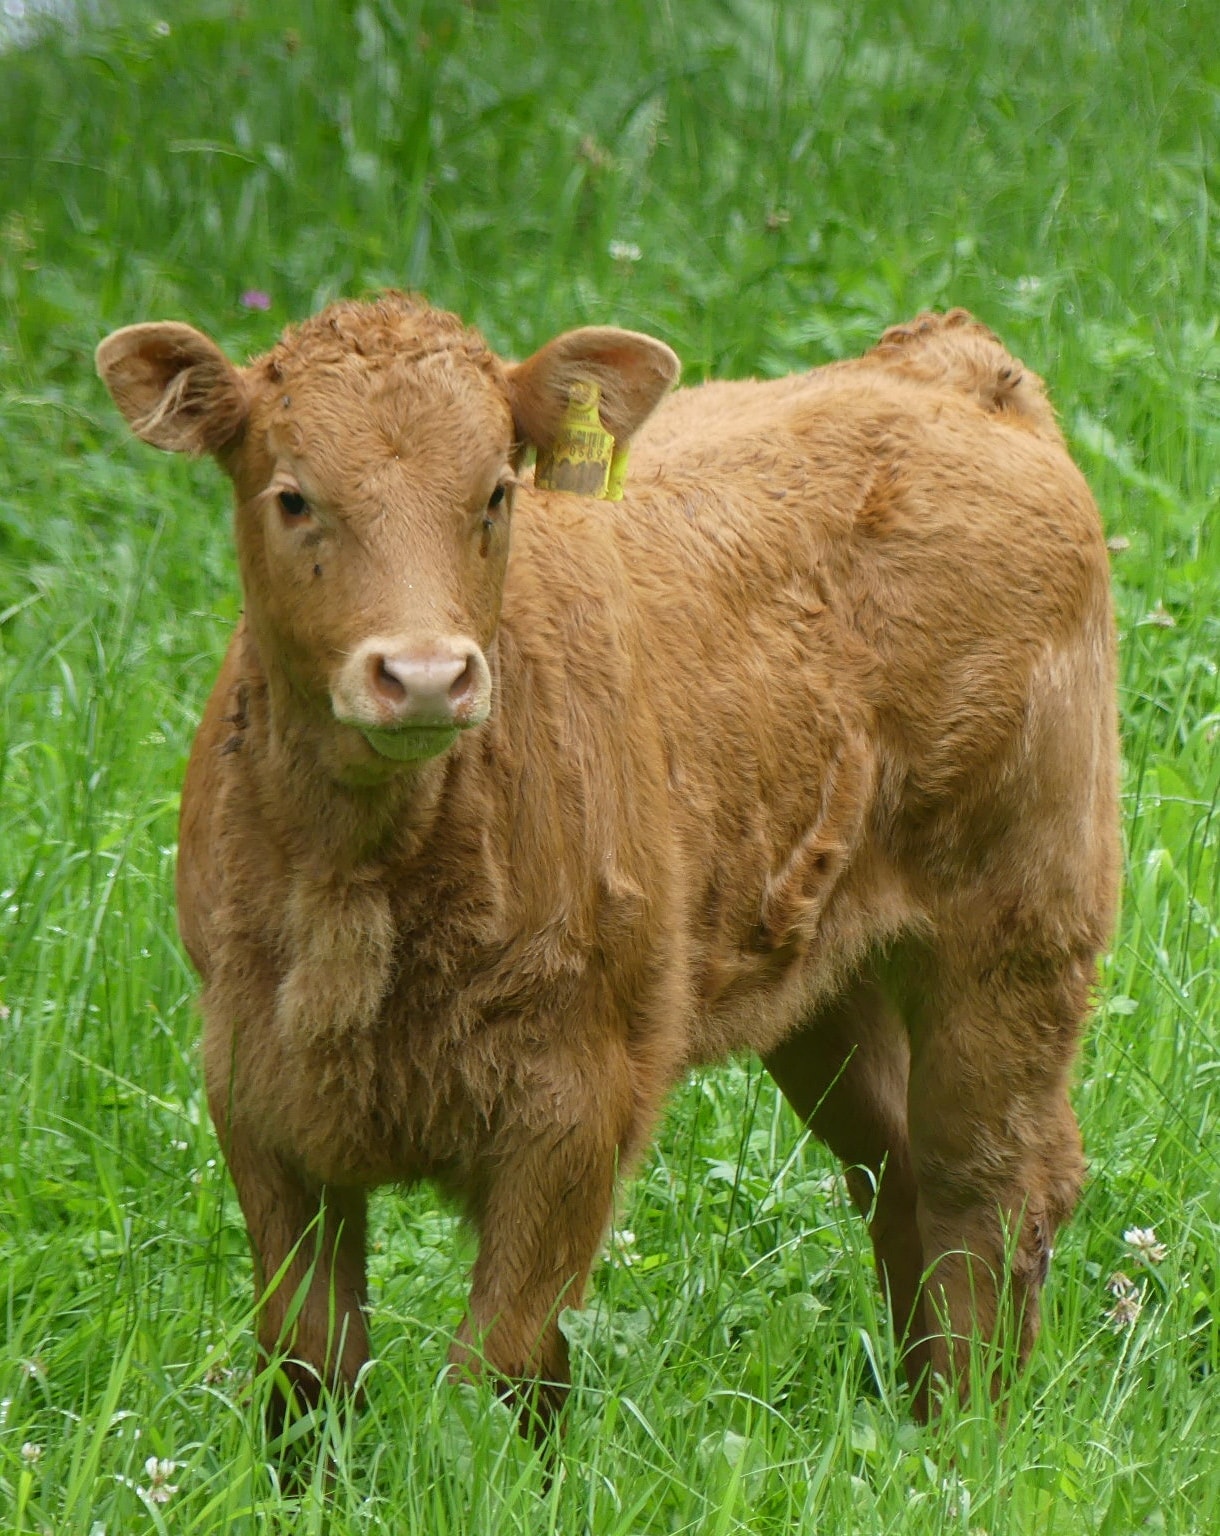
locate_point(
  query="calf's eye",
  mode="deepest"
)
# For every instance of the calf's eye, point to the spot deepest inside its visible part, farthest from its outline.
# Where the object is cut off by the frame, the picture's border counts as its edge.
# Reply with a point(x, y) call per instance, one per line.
point(496, 497)
point(292, 504)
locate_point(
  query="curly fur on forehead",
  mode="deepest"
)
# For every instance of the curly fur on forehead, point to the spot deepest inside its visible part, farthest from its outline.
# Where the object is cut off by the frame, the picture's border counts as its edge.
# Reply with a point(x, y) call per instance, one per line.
point(375, 335)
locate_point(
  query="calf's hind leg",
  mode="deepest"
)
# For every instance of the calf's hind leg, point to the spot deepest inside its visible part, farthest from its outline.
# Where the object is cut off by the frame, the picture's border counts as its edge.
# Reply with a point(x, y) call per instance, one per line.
point(845, 1074)
point(995, 1147)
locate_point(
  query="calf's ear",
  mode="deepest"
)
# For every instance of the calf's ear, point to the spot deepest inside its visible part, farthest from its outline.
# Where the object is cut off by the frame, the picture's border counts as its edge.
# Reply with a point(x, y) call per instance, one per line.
point(632, 372)
point(176, 388)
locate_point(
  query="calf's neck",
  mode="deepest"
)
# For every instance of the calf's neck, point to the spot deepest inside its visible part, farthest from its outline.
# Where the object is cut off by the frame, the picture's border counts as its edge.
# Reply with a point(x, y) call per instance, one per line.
point(512, 805)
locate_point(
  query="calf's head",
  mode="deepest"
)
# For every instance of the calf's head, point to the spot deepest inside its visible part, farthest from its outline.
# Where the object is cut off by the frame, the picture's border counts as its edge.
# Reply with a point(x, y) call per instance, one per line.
point(374, 453)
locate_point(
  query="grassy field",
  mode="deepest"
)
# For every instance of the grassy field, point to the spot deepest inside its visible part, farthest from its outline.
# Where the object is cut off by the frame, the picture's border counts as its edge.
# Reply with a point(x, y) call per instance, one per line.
point(765, 186)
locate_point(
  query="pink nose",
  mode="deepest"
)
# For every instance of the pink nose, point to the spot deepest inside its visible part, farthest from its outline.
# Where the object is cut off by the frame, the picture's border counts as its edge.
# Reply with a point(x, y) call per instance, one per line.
point(401, 683)
point(423, 690)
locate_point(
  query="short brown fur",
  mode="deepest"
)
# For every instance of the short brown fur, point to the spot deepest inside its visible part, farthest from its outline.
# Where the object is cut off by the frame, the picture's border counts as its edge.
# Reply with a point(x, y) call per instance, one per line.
point(806, 747)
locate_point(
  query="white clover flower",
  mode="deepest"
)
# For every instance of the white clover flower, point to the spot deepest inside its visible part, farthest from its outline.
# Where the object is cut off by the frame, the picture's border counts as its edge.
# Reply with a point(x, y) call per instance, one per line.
point(1124, 1313)
point(623, 1246)
point(160, 1489)
point(625, 250)
point(623, 1243)
point(31, 1452)
point(1143, 1244)
point(1128, 1301)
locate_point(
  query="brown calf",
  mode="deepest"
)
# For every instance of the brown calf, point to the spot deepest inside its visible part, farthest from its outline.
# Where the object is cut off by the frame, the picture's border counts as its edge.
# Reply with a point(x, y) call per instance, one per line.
point(806, 746)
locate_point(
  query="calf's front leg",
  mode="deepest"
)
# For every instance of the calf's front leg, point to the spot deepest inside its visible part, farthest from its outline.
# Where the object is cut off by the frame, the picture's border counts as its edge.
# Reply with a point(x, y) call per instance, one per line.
point(542, 1206)
point(308, 1244)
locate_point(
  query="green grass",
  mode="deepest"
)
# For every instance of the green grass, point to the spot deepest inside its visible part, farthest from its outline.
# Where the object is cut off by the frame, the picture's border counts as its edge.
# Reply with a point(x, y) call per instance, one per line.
point(793, 178)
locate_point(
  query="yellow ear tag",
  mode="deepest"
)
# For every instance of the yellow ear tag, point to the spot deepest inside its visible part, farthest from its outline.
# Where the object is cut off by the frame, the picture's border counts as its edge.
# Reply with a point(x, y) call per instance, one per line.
point(584, 458)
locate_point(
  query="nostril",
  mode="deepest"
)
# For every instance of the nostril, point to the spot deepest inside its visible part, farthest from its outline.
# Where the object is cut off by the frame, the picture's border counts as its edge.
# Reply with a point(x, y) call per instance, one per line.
point(384, 682)
point(464, 683)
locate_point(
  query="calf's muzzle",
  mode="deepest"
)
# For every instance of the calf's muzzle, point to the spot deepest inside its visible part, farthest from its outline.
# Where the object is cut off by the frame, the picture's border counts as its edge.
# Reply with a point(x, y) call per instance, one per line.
point(411, 698)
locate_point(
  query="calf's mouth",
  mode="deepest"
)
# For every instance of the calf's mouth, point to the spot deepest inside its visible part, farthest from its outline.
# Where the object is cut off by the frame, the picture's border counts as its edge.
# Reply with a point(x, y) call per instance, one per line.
point(411, 743)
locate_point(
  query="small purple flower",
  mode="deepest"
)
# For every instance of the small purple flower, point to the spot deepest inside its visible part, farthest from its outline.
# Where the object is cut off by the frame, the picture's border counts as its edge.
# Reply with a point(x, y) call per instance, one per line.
point(255, 298)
